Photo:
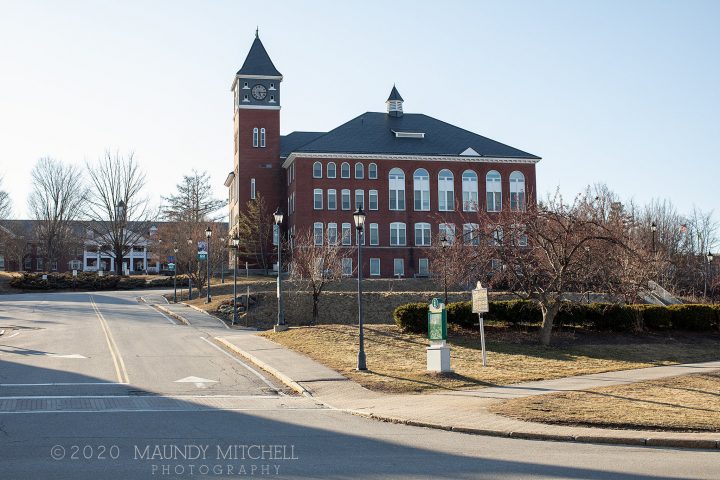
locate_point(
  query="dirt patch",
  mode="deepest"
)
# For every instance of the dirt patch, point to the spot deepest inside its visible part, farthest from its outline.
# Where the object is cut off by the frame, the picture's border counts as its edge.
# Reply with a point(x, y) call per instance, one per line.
point(688, 403)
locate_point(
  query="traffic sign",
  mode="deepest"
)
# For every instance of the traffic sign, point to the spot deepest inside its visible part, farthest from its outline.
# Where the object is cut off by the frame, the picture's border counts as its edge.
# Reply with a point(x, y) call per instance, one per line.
point(171, 266)
point(202, 256)
point(171, 258)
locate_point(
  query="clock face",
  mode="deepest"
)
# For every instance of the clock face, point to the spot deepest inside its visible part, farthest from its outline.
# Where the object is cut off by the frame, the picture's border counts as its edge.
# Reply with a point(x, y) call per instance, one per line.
point(259, 92)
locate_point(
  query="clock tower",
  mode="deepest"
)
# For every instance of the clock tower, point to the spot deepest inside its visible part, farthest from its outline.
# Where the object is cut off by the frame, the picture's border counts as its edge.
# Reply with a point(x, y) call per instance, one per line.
point(256, 108)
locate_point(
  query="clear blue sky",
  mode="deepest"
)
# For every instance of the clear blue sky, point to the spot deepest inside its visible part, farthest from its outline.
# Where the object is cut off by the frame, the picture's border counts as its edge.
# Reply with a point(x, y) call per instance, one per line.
point(623, 92)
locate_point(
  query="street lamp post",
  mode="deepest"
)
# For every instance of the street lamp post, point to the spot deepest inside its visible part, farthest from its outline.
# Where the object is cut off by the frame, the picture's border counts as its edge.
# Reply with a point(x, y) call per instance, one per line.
point(236, 245)
point(709, 258)
point(653, 229)
point(175, 250)
point(208, 234)
point(222, 263)
point(189, 242)
point(359, 217)
point(280, 326)
point(444, 243)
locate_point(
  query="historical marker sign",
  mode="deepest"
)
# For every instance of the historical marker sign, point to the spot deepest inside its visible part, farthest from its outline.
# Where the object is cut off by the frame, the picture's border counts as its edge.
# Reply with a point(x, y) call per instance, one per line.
point(480, 299)
point(437, 321)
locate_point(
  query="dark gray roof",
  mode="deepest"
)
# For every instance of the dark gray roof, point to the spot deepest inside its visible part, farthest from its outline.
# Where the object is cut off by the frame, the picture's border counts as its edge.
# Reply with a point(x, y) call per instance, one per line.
point(373, 133)
point(258, 62)
point(394, 95)
point(295, 140)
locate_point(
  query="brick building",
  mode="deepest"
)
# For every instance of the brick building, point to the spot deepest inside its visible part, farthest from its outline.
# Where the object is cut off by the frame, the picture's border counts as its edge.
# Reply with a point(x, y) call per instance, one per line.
point(415, 176)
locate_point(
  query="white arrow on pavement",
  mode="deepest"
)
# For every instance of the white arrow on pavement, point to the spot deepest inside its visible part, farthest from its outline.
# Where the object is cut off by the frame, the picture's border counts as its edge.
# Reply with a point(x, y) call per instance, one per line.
point(199, 382)
point(57, 355)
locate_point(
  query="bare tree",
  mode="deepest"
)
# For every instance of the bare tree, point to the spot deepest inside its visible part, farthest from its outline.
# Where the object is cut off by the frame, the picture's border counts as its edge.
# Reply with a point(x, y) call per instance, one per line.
point(56, 202)
point(119, 213)
point(194, 201)
point(5, 203)
point(255, 229)
point(15, 242)
point(318, 262)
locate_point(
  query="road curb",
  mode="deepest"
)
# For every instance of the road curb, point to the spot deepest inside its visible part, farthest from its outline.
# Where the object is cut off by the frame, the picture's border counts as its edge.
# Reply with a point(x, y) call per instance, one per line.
point(271, 370)
point(174, 315)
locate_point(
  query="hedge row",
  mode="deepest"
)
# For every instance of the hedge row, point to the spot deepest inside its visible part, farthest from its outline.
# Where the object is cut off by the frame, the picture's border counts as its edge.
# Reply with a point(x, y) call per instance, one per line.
point(88, 281)
point(412, 317)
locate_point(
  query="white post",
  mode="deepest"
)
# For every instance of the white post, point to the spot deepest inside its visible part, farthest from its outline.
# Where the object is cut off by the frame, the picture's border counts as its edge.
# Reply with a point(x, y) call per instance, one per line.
point(482, 341)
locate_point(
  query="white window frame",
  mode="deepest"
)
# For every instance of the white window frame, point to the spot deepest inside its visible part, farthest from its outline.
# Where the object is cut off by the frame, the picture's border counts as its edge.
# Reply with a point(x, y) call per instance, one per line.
point(423, 267)
point(255, 137)
point(253, 190)
point(471, 234)
point(401, 271)
point(425, 237)
point(398, 230)
point(262, 138)
point(317, 195)
point(421, 190)
point(374, 234)
point(493, 191)
point(332, 199)
point(317, 170)
point(346, 234)
point(396, 184)
point(318, 233)
point(361, 194)
point(347, 267)
point(448, 230)
point(334, 170)
point(446, 190)
point(517, 191)
point(375, 262)
point(372, 171)
point(373, 194)
point(332, 233)
point(345, 193)
point(345, 167)
point(470, 191)
point(359, 166)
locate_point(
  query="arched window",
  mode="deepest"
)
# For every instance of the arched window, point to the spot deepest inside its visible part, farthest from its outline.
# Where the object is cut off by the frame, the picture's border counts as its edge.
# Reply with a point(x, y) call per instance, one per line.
point(493, 189)
point(470, 191)
point(372, 171)
point(331, 170)
point(359, 170)
point(421, 189)
point(396, 179)
point(517, 191)
point(345, 170)
point(317, 170)
point(446, 191)
point(262, 137)
point(255, 137)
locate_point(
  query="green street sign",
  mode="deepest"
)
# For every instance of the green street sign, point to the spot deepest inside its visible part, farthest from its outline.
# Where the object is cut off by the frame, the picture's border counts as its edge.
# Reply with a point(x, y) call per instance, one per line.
point(171, 266)
point(437, 321)
point(202, 256)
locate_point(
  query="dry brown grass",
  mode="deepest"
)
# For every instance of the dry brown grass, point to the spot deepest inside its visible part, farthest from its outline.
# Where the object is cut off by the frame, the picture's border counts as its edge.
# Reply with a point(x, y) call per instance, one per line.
point(686, 403)
point(397, 360)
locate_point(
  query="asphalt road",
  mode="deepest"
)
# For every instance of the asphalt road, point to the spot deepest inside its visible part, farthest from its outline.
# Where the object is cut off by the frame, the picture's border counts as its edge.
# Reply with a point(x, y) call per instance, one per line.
point(102, 386)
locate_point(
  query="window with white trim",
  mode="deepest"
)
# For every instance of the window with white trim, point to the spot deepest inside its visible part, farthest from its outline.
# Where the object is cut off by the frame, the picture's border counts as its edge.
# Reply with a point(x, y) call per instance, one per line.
point(318, 233)
point(423, 267)
point(496, 239)
point(493, 189)
point(317, 170)
point(332, 199)
point(372, 171)
point(517, 191)
point(262, 138)
point(360, 199)
point(346, 234)
point(318, 199)
point(423, 234)
point(255, 137)
point(374, 267)
point(331, 170)
point(374, 234)
point(447, 230)
point(345, 202)
point(347, 267)
point(345, 170)
point(396, 179)
point(359, 171)
point(421, 189)
point(446, 191)
point(253, 193)
point(397, 234)
point(39, 264)
point(398, 267)
point(332, 234)
point(471, 234)
point(470, 191)
point(373, 200)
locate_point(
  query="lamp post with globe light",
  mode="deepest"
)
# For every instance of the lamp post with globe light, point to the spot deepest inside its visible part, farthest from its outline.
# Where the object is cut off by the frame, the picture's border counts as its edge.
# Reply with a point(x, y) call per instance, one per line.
point(359, 217)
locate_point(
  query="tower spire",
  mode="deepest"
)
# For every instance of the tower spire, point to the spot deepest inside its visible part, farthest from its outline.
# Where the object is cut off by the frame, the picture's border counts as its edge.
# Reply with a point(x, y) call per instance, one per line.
point(257, 32)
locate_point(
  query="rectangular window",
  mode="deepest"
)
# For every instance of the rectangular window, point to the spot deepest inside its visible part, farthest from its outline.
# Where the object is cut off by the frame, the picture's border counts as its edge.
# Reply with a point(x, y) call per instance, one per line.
point(345, 199)
point(471, 234)
point(39, 264)
point(255, 137)
point(423, 267)
point(375, 267)
point(262, 137)
point(347, 267)
point(317, 199)
point(332, 234)
point(422, 234)
point(398, 267)
point(360, 199)
point(447, 231)
point(373, 199)
point(252, 188)
point(332, 199)
point(27, 263)
point(318, 233)
point(346, 234)
point(374, 234)
point(494, 201)
point(397, 234)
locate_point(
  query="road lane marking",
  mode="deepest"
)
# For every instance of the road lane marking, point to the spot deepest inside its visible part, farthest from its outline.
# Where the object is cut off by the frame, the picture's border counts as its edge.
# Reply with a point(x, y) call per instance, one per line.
point(237, 360)
point(114, 352)
point(58, 355)
point(161, 313)
point(199, 382)
point(176, 410)
point(57, 384)
point(62, 397)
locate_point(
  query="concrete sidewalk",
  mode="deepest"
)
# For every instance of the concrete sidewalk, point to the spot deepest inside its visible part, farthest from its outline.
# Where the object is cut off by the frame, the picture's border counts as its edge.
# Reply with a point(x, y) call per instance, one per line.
point(462, 411)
